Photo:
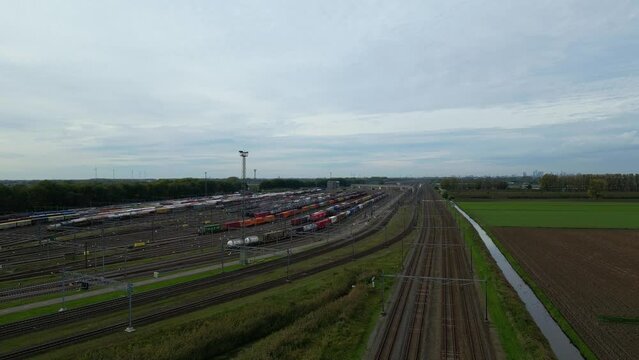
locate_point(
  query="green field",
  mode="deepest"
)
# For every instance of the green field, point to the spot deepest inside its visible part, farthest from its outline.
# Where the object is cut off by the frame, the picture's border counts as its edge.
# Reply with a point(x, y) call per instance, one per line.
point(555, 213)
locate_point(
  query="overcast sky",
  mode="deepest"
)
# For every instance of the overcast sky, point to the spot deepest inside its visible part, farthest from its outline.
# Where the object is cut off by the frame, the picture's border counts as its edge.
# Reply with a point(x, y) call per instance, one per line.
point(408, 88)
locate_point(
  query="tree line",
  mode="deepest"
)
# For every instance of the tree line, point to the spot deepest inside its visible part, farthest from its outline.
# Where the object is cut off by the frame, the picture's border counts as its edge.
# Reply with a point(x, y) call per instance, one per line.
point(274, 184)
point(55, 195)
point(586, 182)
point(474, 183)
point(592, 185)
point(48, 195)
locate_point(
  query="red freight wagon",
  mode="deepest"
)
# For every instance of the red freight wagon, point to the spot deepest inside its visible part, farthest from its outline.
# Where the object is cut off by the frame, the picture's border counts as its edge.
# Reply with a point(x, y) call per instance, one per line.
point(322, 223)
point(233, 225)
point(300, 220)
point(318, 215)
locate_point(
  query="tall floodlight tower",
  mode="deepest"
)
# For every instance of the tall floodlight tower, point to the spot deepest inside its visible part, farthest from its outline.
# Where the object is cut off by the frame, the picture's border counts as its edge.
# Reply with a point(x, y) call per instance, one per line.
point(244, 155)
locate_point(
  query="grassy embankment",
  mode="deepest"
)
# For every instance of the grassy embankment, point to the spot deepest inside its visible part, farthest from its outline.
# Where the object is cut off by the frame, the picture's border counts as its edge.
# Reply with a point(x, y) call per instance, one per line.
point(328, 315)
point(552, 214)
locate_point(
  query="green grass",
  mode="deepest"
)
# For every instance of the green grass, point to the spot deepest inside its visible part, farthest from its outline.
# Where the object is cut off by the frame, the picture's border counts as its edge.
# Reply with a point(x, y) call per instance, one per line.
point(323, 333)
point(284, 321)
point(518, 334)
point(619, 319)
point(555, 214)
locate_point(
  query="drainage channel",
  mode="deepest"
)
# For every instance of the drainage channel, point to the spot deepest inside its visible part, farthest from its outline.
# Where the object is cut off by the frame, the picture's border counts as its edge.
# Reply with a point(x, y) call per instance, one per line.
point(559, 342)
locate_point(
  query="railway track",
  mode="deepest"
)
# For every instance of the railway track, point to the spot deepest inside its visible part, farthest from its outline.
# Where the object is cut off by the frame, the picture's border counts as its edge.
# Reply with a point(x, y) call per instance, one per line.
point(435, 312)
point(399, 313)
point(59, 318)
point(51, 320)
point(170, 247)
point(174, 243)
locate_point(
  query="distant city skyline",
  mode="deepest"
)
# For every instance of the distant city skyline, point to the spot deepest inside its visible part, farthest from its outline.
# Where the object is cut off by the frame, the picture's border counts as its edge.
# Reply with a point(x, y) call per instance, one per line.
point(410, 89)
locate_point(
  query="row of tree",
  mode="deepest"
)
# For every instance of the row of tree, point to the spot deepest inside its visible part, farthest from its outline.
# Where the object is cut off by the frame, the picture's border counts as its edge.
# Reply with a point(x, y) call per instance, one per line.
point(474, 183)
point(57, 195)
point(303, 183)
point(586, 182)
point(53, 195)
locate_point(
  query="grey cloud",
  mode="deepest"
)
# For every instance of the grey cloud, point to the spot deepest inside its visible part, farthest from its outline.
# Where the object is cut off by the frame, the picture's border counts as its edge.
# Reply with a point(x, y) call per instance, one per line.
point(178, 88)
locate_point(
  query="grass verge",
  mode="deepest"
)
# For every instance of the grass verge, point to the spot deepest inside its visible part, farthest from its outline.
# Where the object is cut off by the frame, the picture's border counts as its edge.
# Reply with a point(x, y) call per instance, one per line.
point(325, 316)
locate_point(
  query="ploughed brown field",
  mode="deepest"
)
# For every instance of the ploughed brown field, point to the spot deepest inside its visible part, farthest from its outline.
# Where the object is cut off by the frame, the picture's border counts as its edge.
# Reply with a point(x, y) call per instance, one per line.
point(587, 274)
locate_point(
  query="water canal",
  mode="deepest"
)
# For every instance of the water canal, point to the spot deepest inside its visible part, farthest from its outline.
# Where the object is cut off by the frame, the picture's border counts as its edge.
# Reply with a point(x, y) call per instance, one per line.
point(559, 342)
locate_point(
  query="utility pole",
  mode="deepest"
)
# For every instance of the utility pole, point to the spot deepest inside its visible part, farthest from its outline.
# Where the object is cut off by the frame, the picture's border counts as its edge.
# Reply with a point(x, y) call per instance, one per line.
point(288, 264)
point(352, 243)
point(63, 282)
point(126, 255)
point(129, 292)
point(153, 227)
point(221, 251)
point(103, 247)
point(382, 300)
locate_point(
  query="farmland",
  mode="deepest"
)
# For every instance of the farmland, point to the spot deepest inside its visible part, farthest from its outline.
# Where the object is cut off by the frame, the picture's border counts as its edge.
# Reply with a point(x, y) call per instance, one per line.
point(590, 276)
point(555, 214)
point(582, 260)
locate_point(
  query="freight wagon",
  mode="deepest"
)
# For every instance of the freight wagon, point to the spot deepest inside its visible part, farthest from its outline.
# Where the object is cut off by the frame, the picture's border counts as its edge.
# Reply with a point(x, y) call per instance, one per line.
point(209, 229)
point(318, 215)
point(300, 220)
point(322, 224)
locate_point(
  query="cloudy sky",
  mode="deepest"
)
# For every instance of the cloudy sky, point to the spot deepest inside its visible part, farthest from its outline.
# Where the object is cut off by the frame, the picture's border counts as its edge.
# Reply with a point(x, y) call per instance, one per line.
point(410, 88)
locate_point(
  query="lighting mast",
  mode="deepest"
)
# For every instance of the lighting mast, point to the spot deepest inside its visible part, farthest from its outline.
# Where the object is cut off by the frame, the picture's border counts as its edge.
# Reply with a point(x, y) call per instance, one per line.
point(244, 155)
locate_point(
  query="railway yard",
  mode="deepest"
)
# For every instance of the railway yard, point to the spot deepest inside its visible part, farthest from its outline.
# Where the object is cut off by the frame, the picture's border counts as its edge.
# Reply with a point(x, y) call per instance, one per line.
point(134, 247)
point(443, 180)
point(101, 277)
point(162, 241)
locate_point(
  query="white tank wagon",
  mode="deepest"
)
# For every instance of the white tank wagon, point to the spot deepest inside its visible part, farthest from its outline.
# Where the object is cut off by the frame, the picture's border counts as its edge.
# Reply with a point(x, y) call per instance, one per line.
point(249, 240)
point(235, 243)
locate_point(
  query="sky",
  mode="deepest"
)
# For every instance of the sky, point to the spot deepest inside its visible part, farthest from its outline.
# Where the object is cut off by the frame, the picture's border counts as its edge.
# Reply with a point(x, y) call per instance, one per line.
point(165, 89)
